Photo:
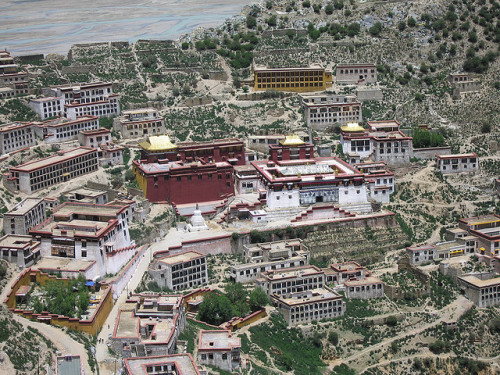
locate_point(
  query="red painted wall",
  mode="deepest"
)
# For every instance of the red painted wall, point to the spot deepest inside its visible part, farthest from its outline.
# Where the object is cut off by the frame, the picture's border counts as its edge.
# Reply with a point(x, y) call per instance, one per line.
point(191, 189)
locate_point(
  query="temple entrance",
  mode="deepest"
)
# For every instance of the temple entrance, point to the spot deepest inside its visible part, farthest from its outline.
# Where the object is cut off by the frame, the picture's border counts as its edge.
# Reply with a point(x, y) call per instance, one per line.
point(319, 198)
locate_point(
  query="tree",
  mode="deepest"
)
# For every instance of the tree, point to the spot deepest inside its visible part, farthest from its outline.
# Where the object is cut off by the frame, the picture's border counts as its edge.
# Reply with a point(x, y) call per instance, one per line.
point(394, 347)
point(338, 4)
point(333, 338)
point(306, 4)
point(235, 292)
point(185, 45)
point(411, 22)
point(251, 22)
point(329, 9)
point(376, 29)
point(402, 26)
point(391, 321)
point(258, 299)
point(216, 309)
point(486, 128)
point(271, 21)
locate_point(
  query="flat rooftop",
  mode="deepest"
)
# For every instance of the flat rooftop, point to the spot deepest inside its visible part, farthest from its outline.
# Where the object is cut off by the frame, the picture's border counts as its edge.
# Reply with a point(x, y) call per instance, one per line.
point(63, 121)
point(139, 111)
point(311, 296)
point(477, 282)
point(95, 131)
point(176, 165)
point(444, 246)
point(472, 155)
point(87, 192)
point(69, 365)
point(184, 364)
point(365, 281)
point(54, 159)
point(128, 326)
point(90, 209)
point(210, 340)
point(14, 126)
point(276, 245)
point(25, 206)
point(291, 272)
point(181, 257)
point(209, 143)
point(16, 241)
point(346, 267)
point(63, 264)
point(485, 219)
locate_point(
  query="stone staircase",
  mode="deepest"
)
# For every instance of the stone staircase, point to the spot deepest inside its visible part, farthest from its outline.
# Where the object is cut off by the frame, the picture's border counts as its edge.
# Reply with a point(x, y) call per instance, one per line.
point(322, 212)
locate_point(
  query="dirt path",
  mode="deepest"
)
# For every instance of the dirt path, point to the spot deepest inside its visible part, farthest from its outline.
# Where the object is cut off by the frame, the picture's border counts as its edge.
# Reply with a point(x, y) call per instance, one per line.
point(452, 311)
point(105, 360)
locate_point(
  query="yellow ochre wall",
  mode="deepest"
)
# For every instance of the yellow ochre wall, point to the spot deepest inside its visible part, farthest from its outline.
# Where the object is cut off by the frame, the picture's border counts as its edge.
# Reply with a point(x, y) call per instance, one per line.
point(295, 78)
point(141, 180)
point(87, 326)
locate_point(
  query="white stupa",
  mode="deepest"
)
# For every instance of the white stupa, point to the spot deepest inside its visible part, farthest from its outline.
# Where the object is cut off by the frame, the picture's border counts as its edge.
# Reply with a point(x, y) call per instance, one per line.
point(197, 221)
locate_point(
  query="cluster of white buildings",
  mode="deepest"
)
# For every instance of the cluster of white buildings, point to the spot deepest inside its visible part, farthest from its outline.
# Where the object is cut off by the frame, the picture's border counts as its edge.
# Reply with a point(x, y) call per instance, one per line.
point(73, 101)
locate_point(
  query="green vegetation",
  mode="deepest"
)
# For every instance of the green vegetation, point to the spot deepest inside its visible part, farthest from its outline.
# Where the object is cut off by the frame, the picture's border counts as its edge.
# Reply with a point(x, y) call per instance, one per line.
point(15, 110)
point(343, 369)
point(423, 138)
point(218, 308)
point(288, 347)
point(69, 299)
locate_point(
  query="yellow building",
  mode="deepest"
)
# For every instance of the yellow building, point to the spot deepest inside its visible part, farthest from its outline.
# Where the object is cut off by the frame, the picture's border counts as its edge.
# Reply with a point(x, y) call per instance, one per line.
point(303, 79)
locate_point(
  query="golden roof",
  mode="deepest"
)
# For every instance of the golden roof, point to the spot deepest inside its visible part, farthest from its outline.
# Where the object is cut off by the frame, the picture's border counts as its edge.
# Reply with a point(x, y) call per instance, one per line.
point(158, 143)
point(292, 140)
point(352, 127)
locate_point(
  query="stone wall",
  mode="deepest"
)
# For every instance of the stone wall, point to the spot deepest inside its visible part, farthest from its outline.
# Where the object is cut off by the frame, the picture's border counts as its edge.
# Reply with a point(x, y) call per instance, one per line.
point(431, 152)
point(192, 102)
point(210, 245)
point(88, 326)
point(369, 94)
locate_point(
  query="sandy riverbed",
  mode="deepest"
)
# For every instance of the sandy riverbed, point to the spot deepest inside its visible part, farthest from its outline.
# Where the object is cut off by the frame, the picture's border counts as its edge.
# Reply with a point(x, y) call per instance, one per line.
point(44, 26)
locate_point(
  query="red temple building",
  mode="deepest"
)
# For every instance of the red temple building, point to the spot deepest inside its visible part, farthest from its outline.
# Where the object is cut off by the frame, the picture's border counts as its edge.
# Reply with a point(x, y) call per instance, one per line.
point(231, 150)
point(189, 172)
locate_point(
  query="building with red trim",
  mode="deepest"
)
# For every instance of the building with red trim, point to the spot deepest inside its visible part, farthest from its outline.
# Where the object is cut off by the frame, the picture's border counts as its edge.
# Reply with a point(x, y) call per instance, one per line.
point(231, 150)
point(324, 111)
point(42, 173)
point(87, 232)
point(295, 178)
point(143, 122)
point(487, 231)
point(356, 74)
point(457, 163)
point(148, 325)
point(12, 81)
point(19, 249)
point(17, 136)
point(85, 99)
point(219, 349)
point(172, 364)
point(63, 129)
point(382, 141)
point(379, 178)
point(184, 182)
point(179, 271)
